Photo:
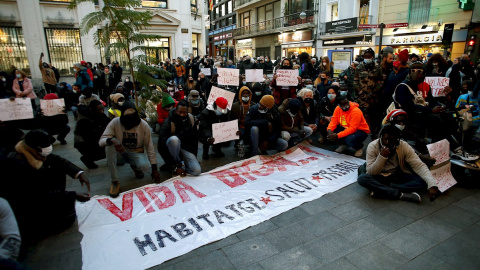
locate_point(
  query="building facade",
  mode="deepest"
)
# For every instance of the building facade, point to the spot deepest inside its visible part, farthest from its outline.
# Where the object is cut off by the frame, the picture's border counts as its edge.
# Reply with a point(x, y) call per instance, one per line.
point(30, 27)
point(223, 22)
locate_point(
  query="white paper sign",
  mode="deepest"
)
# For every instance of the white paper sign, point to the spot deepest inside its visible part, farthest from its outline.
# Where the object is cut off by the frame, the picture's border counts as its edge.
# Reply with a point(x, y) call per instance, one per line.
point(206, 71)
point(146, 226)
point(287, 77)
point(18, 109)
point(225, 132)
point(254, 75)
point(437, 84)
point(228, 76)
point(219, 92)
point(440, 151)
point(444, 177)
point(52, 106)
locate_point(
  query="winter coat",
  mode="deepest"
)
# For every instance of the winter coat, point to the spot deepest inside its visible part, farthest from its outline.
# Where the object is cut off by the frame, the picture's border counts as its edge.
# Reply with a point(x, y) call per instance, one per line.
point(352, 120)
point(292, 124)
point(27, 88)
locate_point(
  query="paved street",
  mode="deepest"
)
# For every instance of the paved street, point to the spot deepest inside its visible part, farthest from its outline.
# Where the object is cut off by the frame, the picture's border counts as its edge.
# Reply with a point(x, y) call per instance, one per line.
point(342, 230)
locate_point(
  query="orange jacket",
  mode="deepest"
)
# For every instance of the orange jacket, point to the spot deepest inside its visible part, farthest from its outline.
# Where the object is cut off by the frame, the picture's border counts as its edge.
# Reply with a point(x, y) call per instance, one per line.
point(352, 120)
point(180, 71)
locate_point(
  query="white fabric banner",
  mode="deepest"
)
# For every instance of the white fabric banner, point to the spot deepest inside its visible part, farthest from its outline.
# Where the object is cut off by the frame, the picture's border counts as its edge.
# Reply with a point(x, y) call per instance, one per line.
point(155, 223)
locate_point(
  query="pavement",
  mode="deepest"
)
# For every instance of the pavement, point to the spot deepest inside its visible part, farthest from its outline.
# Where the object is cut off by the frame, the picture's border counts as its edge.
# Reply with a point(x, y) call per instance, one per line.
point(345, 229)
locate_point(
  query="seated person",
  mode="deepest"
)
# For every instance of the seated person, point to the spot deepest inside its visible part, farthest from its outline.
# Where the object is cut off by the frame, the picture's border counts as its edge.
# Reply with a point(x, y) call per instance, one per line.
point(240, 109)
point(263, 126)
point(10, 239)
point(195, 103)
point(309, 109)
point(178, 141)
point(469, 102)
point(66, 92)
point(326, 107)
point(91, 123)
point(388, 176)
point(348, 126)
point(129, 136)
point(213, 114)
point(39, 181)
point(293, 130)
point(87, 96)
point(55, 124)
point(116, 100)
point(258, 91)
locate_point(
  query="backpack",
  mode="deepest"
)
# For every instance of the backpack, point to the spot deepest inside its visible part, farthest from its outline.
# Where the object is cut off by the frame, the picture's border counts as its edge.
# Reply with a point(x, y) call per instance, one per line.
point(418, 99)
point(57, 74)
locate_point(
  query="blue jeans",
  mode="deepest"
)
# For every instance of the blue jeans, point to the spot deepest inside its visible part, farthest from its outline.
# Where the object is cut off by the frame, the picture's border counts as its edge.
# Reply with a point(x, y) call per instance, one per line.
point(132, 158)
point(179, 81)
point(392, 186)
point(354, 140)
point(174, 146)
point(280, 144)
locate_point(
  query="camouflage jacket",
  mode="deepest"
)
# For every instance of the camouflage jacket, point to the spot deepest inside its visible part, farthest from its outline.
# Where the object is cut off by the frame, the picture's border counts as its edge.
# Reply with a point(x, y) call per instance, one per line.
point(368, 85)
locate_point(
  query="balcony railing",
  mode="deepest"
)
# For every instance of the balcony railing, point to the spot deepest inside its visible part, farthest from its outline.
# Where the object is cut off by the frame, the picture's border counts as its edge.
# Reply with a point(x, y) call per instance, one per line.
point(360, 20)
point(277, 23)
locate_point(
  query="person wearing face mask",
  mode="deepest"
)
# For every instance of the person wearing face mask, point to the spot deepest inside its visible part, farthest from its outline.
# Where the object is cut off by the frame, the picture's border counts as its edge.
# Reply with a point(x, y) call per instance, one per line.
point(91, 123)
point(348, 76)
point(470, 102)
point(164, 108)
point(55, 124)
point(258, 91)
point(203, 85)
point(326, 108)
point(128, 85)
point(82, 76)
point(326, 66)
point(195, 103)
point(394, 171)
point(179, 93)
point(240, 109)
point(178, 141)
point(48, 76)
point(128, 136)
point(293, 130)
point(309, 110)
point(213, 114)
point(87, 96)
point(190, 85)
point(38, 178)
point(22, 87)
point(348, 126)
point(263, 126)
point(436, 66)
point(280, 93)
point(117, 101)
point(180, 73)
point(322, 83)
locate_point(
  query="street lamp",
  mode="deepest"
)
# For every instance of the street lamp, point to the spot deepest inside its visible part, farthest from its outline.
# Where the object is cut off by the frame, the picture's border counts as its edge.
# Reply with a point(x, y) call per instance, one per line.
point(303, 15)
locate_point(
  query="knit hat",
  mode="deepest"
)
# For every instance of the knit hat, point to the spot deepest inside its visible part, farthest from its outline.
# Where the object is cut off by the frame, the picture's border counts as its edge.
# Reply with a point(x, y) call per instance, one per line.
point(167, 100)
point(221, 102)
point(78, 65)
point(38, 139)
point(429, 54)
point(116, 97)
point(395, 113)
point(403, 56)
point(50, 96)
point(193, 93)
point(417, 65)
point(267, 101)
point(294, 105)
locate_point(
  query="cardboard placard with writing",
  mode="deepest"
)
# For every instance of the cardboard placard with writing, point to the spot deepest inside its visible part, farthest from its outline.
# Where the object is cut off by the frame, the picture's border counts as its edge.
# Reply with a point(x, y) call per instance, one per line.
point(254, 75)
point(206, 71)
point(287, 77)
point(219, 92)
point(18, 109)
point(437, 84)
point(228, 76)
point(225, 132)
point(52, 107)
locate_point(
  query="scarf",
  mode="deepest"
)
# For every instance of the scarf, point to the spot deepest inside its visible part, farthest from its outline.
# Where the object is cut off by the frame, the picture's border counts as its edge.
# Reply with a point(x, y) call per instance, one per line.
point(33, 157)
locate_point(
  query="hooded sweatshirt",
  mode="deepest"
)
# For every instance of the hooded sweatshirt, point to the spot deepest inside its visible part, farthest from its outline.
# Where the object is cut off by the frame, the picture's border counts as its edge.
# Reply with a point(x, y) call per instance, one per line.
point(240, 109)
point(162, 113)
point(352, 120)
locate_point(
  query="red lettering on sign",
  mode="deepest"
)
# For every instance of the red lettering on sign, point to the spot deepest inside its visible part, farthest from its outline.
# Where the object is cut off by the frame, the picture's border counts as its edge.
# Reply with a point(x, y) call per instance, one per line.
point(127, 207)
point(146, 203)
point(181, 188)
point(169, 196)
point(222, 176)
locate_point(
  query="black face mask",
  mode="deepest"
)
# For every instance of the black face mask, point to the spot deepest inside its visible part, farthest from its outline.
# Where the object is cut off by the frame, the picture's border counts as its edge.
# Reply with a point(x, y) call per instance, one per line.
point(130, 121)
point(309, 100)
point(177, 118)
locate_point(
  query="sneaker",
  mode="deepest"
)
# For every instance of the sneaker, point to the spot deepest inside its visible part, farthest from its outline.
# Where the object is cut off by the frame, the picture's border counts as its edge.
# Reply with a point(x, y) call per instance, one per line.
point(464, 155)
point(321, 139)
point(114, 189)
point(341, 148)
point(359, 152)
point(411, 197)
point(90, 164)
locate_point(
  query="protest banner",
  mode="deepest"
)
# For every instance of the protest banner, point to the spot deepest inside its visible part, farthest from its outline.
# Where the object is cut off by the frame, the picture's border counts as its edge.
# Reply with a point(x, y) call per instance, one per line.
point(219, 92)
point(437, 84)
point(444, 177)
point(228, 76)
point(440, 151)
point(146, 226)
point(52, 106)
point(254, 75)
point(287, 77)
point(225, 132)
point(18, 109)
point(206, 71)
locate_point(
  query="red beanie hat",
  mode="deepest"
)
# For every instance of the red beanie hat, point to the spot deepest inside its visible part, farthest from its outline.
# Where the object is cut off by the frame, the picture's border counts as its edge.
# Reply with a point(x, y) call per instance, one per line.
point(50, 96)
point(395, 113)
point(403, 56)
point(221, 103)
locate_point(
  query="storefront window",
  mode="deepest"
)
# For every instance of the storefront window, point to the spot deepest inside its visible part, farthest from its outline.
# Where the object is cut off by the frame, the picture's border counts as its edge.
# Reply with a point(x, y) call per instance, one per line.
point(65, 48)
point(159, 49)
point(364, 9)
point(195, 44)
point(155, 3)
point(13, 52)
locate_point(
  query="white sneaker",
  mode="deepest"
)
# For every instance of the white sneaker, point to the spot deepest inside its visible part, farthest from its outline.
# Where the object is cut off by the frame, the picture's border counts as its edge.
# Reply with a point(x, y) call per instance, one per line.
point(341, 148)
point(465, 156)
point(359, 152)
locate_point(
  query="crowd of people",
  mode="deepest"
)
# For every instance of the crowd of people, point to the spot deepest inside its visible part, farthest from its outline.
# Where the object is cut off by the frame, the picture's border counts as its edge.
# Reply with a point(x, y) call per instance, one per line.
point(386, 99)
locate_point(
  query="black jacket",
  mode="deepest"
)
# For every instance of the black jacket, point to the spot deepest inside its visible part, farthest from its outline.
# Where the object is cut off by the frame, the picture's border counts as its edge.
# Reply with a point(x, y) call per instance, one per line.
point(184, 129)
point(261, 120)
point(207, 118)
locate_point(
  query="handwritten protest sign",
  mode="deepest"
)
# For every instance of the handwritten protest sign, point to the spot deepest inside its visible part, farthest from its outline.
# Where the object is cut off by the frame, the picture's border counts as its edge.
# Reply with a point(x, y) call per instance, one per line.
point(254, 75)
point(287, 77)
point(440, 151)
point(20, 108)
point(219, 92)
point(225, 132)
point(437, 84)
point(206, 71)
point(52, 106)
point(444, 177)
point(228, 76)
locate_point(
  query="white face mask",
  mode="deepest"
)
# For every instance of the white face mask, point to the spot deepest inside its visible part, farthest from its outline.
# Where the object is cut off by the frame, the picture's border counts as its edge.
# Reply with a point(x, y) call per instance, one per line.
point(121, 103)
point(4, 80)
point(324, 63)
point(127, 80)
point(367, 61)
point(309, 86)
point(245, 99)
point(46, 151)
point(401, 127)
point(263, 111)
point(18, 75)
point(470, 93)
point(343, 93)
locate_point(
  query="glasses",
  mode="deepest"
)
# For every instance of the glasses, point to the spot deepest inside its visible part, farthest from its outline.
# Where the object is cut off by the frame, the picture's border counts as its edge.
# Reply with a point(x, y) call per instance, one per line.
point(418, 71)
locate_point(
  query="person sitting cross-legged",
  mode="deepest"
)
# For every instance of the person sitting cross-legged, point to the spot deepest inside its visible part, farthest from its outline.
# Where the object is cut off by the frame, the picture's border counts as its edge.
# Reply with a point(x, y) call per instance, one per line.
point(388, 176)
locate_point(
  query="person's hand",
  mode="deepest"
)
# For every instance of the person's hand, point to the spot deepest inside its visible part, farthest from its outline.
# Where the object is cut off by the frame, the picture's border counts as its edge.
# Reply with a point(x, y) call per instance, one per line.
point(437, 109)
point(328, 118)
point(303, 133)
point(313, 127)
point(299, 78)
point(64, 110)
point(270, 127)
point(41, 54)
point(332, 137)
point(433, 193)
point(211, 140)
point(447, 90)
point(118, 146)
point(345, 77)
point(84, 180)
point(238, 133)
point(12, 98)
point(274, 77)
point(155, 176)
point(385, 151)
point(82, 197)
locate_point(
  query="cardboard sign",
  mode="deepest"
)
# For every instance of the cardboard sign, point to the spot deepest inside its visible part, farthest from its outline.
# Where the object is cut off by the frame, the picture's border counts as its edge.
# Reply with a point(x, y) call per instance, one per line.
point(228, 76)
point(225, 132)
point(254, 75)
point(206, 71)
point(440, 151)
point(437, 84)
point(444, 177)
point(18, 109)
point(52, 106)
point(287, 77)
point(219, 92)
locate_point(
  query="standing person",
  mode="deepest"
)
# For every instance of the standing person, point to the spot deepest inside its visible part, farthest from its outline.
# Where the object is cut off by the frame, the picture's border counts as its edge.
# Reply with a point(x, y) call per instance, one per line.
point(348, 76)
point(217, 113)
point(180, 73)
point(55, 124)
point(48, 76)
point(82, 77)
point(326, 66)
point(436, 66)
point(129, 136)
point(22, 87)
point(117, 71)
point(88, 68)
point(170, 68)
point(387, 66)
point(91, 123)
point(268, 65)
point(98, 80)
point(178, 141)
point(400, 72)
point(348, 126)
point(306, 65)
point(281, 93)
point(109, 84)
